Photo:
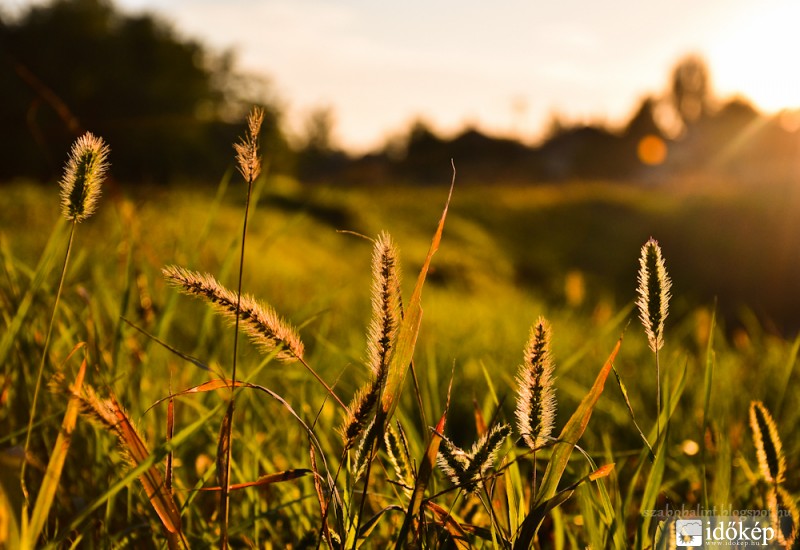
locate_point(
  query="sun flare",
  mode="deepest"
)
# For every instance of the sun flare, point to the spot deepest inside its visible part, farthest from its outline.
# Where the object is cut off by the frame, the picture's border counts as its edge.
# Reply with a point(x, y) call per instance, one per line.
point(756, 56)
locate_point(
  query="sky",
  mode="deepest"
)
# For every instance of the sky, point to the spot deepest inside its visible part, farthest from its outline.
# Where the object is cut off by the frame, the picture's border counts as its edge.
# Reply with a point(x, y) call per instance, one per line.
point(506, 67)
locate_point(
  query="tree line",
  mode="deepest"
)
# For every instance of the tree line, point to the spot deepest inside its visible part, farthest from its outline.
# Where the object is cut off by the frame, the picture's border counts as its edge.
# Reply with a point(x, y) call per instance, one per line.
point(171, 107)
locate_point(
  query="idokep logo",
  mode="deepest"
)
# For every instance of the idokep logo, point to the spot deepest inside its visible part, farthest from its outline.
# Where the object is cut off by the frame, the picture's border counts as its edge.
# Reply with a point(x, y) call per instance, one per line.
point(724, 532)
point(741, 531)
point(689, 532)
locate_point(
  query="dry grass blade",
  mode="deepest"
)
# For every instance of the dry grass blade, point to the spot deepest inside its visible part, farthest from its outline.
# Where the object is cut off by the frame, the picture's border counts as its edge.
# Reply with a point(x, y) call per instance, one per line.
point(55, 466)
point(267, 479)
point(769, 450)
point(170, 433)
point(110, 414)
point(409, 327)
point(323, 502)
point(457, 532)
point(573, 430)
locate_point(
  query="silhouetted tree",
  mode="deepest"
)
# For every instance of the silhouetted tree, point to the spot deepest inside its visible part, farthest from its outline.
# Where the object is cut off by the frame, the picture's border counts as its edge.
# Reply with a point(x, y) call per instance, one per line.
point(690, 90)
point(165, 104)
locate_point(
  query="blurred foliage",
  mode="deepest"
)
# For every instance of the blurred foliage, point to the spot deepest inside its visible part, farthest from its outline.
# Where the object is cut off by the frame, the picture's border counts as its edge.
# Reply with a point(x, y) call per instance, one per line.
point(167, 105)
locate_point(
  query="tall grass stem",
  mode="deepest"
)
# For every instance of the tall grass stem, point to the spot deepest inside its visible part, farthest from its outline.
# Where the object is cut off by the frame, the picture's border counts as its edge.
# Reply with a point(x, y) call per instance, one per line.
point(43, 361)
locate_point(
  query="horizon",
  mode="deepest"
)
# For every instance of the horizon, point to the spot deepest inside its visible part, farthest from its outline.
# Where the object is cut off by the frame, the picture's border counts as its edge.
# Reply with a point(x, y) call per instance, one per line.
point(378, 71)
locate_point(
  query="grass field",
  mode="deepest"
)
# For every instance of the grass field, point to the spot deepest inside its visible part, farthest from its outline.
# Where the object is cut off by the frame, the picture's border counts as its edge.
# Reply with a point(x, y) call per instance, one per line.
point(508, 255)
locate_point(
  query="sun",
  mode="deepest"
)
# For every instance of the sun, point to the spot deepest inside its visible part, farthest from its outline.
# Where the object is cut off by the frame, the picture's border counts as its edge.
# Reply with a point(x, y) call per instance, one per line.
point(756, 55)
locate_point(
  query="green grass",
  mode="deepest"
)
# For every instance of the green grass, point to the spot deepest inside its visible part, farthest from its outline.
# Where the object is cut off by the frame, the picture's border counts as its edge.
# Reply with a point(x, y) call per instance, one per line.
point(504, 260)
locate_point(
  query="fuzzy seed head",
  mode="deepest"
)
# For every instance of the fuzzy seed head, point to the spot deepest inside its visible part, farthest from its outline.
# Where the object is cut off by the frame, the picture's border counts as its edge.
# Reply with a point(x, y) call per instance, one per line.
point(536, 401)
point(467, 469)
point(386, 315)
point(454, 462)
point(247, 156)
point(397, 449)
point(83, 174)
point(784, 515)
point(380, 337)
point(769, 450)
point(259, 321)
point(363, 453)
point(654, 293)
point(359, 413)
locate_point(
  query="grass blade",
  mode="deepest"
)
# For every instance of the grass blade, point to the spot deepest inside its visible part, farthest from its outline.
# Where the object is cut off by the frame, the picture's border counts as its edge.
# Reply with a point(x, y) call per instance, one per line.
point(624, 391)
point(110, 414)
point(652, 489)
point(267, 479)
point(409, 326)
point(533, 521)
point(424, 473)
point(708, 378)
point(573, 431)
point(39, 276)
point(52, 476)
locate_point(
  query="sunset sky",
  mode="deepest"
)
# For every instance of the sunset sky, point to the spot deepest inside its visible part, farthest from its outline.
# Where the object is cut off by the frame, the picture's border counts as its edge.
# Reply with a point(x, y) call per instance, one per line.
point(506, 67)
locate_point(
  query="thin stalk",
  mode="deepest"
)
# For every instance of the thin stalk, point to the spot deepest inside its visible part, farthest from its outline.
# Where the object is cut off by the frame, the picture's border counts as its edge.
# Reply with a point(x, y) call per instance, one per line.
point(658, 398)
point(533, 484)
point(229, 434)
point(322, 381)
point(41, 364)
point(372, 453)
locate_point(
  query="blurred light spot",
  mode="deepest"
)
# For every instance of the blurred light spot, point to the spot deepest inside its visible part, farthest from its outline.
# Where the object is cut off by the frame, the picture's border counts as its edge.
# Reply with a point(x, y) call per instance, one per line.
point(575, 288)
point(702, 326)
point(741, 340)
point(602, 313)
point(690, 447)
point(652, 150)
point(790, 120)
point(202, 463)
point(578, 520)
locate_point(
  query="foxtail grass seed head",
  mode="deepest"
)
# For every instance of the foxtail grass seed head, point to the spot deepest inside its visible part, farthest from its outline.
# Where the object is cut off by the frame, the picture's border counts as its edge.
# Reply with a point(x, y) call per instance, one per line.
point(485, 450)
point(247, 156)
point(259, 321)
point(385, 306)
point(363, 453)
point(536, 401)
point(454, 462)
point(380, 337)
point(397, 449)
point(83, 174)
point(771, 462)
point(784, 515)
point(654, 295)
point(359, 413)
point(466, 469)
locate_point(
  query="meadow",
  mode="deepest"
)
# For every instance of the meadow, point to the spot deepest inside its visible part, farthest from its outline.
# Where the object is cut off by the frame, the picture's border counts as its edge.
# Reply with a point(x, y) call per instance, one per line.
point(508, 255)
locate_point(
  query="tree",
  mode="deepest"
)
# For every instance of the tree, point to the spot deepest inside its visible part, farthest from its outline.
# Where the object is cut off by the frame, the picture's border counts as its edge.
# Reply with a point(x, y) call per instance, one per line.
point(690, 90)
point(319, 157)
point(163, 103)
